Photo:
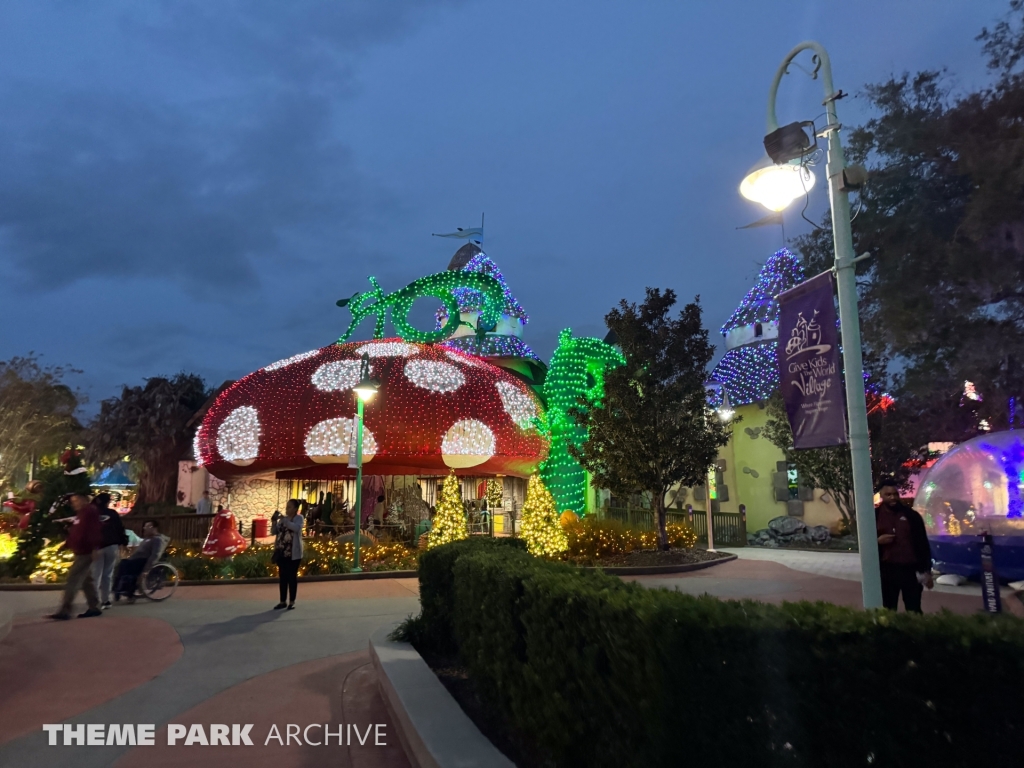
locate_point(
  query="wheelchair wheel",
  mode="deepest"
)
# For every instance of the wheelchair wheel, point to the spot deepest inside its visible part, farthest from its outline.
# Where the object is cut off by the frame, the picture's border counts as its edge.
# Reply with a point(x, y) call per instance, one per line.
point(160, 582)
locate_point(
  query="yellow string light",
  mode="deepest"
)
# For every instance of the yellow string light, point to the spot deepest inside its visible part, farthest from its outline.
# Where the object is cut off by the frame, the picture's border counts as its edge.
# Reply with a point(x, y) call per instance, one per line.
point(450, 519)
point(541, 527)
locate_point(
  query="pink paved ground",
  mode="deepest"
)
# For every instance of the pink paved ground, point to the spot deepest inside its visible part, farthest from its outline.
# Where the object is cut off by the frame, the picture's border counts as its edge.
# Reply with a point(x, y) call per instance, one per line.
point(336, 689)
point(775, 583)
point(53, 670)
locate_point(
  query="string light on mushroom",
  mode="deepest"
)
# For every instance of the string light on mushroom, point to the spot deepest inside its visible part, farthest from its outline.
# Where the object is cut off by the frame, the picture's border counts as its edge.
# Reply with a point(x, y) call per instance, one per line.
point(387, 349)
point(434, 376)
point(436, 409)
point(238, 437)
point(467, 443)
point(291, 360)
point(337, 375)
point(519, 405)
point(330, 441)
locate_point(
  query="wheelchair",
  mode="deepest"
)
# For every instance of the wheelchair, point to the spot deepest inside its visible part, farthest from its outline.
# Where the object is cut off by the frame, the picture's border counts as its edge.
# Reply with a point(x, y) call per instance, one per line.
point(159, 582)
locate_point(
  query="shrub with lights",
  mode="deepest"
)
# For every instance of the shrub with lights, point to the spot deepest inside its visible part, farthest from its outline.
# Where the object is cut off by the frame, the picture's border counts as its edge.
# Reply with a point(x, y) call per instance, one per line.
point(450, 518)
point(541, 528)
point(593, 539)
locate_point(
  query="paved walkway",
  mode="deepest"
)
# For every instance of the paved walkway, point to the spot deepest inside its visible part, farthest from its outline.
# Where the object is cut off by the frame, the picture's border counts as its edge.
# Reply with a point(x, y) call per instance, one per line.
point(775, 576)
point(212, 654)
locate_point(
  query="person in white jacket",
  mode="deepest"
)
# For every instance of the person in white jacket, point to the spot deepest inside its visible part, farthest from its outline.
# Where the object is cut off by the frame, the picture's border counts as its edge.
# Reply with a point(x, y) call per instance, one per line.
point(288, 552)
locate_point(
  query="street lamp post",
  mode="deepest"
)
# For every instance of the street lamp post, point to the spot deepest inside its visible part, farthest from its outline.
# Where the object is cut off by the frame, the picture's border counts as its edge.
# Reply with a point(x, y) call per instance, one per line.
point(860, 454)
point(365, 390)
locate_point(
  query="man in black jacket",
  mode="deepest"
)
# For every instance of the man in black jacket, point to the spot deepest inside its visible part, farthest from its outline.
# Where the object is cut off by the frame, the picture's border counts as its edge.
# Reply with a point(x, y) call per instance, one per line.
point(905, 557)
point(109, 553)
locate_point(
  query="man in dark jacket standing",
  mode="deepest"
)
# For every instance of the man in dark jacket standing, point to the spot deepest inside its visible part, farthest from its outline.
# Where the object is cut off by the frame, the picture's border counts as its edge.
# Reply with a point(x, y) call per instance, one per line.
point(84, 541)
point(905, 557)
point(113, 538)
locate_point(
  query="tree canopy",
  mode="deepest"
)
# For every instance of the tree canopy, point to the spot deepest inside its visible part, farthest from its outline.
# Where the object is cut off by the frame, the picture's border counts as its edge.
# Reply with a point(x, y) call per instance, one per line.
point(37, 413)
point(653, 428)
point(942, 298)
point(150, 424)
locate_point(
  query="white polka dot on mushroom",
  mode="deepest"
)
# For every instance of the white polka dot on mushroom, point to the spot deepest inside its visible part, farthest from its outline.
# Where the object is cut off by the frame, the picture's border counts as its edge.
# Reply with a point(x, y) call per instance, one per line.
point(434, 376)
point(467, 443)
point(387, 349)
point(330, 441)
point(337, 375)
point(238, 436)
point(518, 404)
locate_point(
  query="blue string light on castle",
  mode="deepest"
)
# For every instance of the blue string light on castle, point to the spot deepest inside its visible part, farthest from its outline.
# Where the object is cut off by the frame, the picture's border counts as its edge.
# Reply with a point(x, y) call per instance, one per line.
point(505, 339)
point(749, 371)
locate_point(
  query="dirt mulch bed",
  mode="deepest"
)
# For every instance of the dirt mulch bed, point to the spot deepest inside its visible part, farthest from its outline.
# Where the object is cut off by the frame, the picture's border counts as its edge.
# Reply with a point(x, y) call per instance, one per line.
point(455, 678)
point(648, 557)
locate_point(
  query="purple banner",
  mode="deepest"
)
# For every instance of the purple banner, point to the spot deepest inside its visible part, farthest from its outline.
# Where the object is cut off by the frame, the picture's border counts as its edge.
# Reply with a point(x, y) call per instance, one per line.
point(809, 364)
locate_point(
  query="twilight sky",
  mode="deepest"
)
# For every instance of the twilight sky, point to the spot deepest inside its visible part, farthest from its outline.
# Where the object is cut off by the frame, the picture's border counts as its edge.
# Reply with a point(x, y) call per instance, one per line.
point(191, 185)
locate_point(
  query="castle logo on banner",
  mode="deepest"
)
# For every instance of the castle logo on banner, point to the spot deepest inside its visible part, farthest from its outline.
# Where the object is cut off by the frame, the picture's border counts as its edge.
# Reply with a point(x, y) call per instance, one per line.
point(812, 384)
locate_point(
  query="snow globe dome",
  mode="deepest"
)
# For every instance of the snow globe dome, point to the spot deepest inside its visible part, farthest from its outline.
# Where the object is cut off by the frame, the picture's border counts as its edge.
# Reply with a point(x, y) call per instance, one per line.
point(973, 489)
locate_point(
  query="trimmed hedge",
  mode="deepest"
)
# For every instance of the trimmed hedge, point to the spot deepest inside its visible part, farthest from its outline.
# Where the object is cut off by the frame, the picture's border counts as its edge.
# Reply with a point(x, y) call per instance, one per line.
point(437, 586)
point(603, 673)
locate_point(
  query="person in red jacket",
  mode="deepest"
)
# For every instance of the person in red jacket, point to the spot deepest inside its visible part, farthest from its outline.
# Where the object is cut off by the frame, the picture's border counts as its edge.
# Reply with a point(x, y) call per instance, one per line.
point(84, 540)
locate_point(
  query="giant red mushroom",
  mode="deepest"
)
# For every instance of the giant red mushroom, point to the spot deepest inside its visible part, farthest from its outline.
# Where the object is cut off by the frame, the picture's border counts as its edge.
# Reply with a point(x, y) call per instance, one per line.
point(437, 410)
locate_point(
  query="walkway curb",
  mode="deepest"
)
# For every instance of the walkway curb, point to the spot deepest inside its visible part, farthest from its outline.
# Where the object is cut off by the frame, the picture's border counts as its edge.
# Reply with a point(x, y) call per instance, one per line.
point(221, 582)
point(432, 727)
point(654, 570)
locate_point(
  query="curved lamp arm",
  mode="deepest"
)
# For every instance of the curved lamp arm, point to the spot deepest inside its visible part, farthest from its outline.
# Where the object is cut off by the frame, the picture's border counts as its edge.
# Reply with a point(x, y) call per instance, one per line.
point(824, 64)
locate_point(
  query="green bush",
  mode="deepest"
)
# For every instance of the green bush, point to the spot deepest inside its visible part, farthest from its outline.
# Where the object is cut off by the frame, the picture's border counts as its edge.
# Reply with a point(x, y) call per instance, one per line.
point(200, 567)
point(603, 673)
point(437, 585)
point(254, 563)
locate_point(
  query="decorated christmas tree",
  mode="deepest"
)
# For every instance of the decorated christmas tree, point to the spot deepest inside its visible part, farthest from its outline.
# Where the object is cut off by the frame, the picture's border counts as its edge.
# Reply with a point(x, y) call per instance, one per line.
point(57, 481)
point(450, 518)
point(541, 528)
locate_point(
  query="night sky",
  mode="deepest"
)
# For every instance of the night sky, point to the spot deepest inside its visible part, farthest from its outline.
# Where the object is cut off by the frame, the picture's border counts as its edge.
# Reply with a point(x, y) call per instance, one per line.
point(191, 186)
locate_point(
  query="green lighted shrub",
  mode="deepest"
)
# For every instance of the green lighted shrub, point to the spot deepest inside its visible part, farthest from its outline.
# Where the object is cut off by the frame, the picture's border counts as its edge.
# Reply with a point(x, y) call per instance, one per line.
point(603, 673)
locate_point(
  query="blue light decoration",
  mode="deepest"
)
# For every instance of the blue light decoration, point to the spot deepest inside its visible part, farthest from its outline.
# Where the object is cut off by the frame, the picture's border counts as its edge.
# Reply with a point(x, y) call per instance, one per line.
point(749, 370)
point(493, 343)
point(492, 346)
point(972, 489)
point(471, 300)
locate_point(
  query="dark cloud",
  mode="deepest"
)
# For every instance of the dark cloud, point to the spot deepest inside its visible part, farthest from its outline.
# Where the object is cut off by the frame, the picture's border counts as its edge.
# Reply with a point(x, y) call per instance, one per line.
point(214, 167)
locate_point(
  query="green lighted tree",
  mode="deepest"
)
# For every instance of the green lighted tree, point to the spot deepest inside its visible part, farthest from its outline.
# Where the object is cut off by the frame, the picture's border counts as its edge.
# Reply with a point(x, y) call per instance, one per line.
point(653, 427)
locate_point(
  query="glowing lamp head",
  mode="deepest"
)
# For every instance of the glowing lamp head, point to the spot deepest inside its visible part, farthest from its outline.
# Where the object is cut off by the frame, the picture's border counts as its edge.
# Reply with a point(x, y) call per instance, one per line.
point(367, 387)
point(725, 411)
point(776, 186)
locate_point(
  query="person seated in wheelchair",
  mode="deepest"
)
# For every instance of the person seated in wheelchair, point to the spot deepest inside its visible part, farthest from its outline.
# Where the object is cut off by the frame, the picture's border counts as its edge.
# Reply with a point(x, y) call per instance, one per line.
point(140, 561)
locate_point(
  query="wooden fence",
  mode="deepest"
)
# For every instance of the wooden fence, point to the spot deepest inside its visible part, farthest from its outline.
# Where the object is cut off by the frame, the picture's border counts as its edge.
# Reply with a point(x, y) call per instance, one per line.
point(730, 527)
point(181, 528)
